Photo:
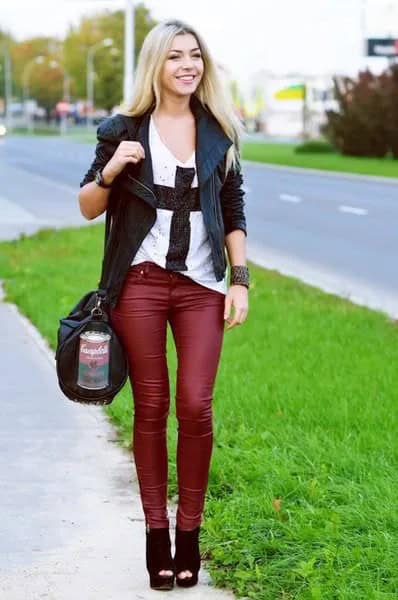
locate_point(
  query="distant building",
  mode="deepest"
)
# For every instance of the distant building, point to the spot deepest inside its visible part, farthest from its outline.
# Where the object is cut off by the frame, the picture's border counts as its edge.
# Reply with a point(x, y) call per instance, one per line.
point(293, 105)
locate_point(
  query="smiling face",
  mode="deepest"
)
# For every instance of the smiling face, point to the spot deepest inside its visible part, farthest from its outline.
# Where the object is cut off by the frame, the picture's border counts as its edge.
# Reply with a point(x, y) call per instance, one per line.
point(183, 67)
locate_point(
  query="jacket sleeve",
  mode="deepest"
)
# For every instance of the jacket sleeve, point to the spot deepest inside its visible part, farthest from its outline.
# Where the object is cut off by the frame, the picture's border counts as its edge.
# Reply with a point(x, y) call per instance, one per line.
point(232, 203)
point(108, 139)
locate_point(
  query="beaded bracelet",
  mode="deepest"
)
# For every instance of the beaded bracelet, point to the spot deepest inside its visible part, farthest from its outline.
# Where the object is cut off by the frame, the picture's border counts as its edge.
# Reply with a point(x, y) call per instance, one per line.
point(239, 275)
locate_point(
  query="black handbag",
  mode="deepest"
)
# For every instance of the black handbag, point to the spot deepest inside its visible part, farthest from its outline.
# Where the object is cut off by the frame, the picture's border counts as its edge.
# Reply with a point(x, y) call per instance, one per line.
point(89, 314)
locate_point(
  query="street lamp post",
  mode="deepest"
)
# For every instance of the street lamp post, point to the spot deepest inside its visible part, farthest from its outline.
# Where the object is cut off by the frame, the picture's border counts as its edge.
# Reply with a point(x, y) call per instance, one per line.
point(25, 82)
point(128, 51)
point(7, 86)
point(63, 124)
point(90, 76)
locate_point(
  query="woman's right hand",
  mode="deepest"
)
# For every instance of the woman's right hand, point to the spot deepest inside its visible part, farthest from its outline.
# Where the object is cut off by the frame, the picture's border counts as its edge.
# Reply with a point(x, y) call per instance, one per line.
point(126, 152)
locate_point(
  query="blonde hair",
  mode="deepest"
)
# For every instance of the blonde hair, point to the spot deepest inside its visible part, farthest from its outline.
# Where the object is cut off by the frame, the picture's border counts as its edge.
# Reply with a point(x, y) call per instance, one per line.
point(212, 92)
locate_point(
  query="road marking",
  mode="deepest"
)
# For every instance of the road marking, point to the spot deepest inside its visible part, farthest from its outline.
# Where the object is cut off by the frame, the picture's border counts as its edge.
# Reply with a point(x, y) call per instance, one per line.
point(354, 210)
point(289, 198)
point(12, 213)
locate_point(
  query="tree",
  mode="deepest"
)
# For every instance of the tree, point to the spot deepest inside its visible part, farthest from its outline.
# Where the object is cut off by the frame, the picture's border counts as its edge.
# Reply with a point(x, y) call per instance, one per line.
point(108, 65)
point(45, 81)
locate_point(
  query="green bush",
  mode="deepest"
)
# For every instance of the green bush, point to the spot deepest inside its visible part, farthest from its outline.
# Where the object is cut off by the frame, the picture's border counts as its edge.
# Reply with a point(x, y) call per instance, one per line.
point(314, 147)
point(366, 121)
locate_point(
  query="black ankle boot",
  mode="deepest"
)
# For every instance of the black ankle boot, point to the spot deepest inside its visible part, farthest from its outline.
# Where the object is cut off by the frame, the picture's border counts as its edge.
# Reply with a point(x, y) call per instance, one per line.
point(187, 556)
point(159, 558)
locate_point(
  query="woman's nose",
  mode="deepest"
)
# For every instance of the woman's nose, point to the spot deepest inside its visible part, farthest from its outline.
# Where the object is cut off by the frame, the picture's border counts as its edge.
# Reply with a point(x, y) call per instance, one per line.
point(187, 63)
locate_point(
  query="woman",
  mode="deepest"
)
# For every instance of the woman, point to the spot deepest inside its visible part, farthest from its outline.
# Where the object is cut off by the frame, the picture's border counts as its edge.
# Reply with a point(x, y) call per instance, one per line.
point(179, 205)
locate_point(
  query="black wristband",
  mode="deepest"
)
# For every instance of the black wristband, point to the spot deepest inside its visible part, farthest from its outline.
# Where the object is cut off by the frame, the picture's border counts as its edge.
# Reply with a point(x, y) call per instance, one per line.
point(99, 180)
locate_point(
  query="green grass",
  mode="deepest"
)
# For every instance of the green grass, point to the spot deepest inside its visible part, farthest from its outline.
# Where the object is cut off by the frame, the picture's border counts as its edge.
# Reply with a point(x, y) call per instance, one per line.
point(284, 154)
point(76, 134)
point(302, 496)
point(37, 131)
point(82, 135)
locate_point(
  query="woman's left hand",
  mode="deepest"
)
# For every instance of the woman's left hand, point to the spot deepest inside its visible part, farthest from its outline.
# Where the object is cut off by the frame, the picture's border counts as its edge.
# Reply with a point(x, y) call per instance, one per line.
point(237, 297)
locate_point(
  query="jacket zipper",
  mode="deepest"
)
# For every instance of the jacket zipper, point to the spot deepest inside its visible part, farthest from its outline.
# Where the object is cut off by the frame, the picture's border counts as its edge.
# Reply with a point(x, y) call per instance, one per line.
point(220, 253)
point(143, 185)
point(214, 198)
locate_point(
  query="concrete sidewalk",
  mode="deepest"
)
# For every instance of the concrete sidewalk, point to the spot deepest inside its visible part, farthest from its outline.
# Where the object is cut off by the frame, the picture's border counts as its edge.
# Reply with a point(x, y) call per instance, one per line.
point(72, 525)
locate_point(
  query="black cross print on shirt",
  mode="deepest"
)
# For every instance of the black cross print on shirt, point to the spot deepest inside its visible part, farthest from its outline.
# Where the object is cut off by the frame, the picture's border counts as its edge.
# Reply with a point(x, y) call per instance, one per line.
point(182, 199)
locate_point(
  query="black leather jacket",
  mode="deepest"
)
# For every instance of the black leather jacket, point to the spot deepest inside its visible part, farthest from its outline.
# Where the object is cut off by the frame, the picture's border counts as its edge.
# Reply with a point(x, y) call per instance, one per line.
point(132, 202)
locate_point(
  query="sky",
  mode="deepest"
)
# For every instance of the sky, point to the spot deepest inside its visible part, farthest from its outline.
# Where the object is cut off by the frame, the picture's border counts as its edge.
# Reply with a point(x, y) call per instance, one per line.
point(282, 36)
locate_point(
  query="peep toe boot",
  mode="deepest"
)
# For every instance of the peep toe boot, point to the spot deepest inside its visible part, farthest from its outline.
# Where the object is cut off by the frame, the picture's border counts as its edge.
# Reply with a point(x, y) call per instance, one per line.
point(159, 558)
point(187, 556)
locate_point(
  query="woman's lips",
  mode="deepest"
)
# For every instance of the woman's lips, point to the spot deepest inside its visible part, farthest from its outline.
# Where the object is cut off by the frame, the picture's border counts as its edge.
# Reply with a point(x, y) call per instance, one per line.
point(187, 79)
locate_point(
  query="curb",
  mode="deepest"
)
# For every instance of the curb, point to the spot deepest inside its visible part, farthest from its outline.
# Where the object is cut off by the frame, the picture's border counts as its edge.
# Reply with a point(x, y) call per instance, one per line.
point(39, 340)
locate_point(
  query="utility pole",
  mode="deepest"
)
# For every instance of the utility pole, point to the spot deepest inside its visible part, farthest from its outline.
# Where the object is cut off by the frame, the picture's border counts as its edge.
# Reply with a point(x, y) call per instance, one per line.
point(364, 33)
point(129, 26)
point(305, 112)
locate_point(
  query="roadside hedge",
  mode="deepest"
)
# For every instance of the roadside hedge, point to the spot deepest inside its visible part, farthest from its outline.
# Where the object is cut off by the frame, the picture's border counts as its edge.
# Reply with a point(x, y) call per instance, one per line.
point(366, 122)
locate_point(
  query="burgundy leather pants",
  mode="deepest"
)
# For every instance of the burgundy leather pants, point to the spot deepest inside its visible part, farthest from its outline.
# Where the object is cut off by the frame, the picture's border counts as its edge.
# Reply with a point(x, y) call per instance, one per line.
point(152, 296)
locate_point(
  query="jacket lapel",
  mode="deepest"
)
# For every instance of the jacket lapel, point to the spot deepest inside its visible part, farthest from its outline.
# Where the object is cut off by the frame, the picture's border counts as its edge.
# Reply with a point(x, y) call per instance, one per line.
point(211, 141)
point(211, 146)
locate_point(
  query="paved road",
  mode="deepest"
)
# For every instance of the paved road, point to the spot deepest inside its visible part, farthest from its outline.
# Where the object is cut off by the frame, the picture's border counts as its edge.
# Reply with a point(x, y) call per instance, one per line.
point(337, 232)
point(334, 231)
point(39, 184)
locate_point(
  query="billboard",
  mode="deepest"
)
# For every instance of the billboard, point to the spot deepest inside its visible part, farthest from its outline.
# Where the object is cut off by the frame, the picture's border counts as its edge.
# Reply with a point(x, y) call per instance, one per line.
point(387, 47)
point(290, 92)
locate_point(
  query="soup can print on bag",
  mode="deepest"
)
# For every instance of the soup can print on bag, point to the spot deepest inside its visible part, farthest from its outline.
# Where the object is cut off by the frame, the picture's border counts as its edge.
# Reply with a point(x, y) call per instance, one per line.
point(94, 360)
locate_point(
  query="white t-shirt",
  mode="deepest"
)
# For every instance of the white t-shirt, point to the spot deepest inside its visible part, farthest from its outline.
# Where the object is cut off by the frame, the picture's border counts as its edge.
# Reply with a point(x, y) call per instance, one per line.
point(178, 239)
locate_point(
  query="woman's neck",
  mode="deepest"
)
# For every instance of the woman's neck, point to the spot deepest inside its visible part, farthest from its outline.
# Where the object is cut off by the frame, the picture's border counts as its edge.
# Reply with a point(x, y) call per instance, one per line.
point(173, 107)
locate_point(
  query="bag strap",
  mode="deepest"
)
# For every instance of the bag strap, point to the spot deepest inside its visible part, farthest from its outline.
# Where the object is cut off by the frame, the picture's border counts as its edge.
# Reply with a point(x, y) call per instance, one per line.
point(132, 128)
point(107, 228)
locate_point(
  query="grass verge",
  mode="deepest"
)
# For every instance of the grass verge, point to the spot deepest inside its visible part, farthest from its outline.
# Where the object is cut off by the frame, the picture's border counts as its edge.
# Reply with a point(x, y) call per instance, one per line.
point(302, 500)
point(284, 154)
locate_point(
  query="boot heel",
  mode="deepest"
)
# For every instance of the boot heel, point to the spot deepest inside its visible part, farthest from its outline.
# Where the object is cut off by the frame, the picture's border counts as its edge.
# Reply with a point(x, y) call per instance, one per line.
point(159, 558)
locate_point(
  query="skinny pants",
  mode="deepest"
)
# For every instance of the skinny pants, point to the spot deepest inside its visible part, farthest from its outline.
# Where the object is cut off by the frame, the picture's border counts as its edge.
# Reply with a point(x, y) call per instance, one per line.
point(150, 297)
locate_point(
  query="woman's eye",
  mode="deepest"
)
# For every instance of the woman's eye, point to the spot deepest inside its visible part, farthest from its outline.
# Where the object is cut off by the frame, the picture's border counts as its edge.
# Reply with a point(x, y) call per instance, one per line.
point(193, 55)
